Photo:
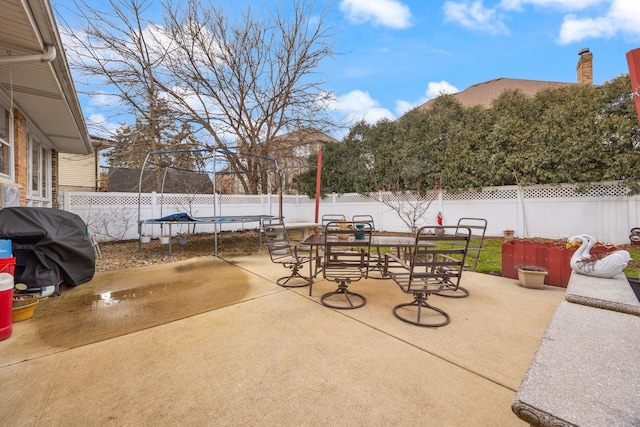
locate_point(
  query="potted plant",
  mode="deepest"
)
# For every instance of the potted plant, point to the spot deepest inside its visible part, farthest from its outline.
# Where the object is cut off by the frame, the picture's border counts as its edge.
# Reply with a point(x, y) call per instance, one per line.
point(531, 276)
point(508, 234)
point(344, 226)
point(23, 307)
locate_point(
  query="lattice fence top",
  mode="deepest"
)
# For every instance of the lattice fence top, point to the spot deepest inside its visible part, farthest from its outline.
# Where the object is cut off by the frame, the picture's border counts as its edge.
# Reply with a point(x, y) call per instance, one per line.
point(494, 193)
point(242, 199)
point(572, 192)
point(185, 200)
point(486, 194)
point(407, 197)
point(107, 199)
point(354, 198)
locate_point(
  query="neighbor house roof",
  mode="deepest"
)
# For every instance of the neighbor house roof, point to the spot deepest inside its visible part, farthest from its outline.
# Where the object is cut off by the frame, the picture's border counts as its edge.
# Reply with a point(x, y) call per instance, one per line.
point(306, 136)
point(176, 181)
point(485, 93)
point(35, 75)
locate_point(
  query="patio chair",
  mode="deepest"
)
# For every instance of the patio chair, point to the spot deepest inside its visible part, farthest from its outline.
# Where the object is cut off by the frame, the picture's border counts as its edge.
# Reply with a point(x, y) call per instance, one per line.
point(284, 251)
point(478, 227)
point(326, 219)
point(432, 267)
point(375, 261)
point(346, 260)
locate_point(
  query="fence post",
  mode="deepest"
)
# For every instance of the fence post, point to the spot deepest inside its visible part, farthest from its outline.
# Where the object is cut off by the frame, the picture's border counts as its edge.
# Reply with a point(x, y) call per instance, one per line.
point(66, 200)
point(523, 232)
point(633, 214)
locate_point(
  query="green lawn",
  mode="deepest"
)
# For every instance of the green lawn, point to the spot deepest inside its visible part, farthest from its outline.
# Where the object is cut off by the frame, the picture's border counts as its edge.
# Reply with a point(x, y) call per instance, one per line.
point(490, 261)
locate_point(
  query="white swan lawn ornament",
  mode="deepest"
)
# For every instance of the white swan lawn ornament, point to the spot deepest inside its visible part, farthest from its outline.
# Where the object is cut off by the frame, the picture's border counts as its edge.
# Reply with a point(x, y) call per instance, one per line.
point(591, 242)
point(607, 266)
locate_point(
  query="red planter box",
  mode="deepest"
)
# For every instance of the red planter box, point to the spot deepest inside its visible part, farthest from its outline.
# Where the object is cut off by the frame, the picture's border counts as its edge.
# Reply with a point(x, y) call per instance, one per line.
point(555, 257)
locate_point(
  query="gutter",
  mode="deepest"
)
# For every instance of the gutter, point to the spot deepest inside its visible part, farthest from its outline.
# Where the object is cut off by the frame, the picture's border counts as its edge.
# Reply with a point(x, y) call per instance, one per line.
point(48, 56)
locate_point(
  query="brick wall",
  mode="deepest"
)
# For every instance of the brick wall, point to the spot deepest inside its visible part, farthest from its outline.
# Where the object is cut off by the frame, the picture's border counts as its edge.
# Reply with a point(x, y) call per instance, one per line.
point(20, 154)
point(54, 178)
point(585, 68)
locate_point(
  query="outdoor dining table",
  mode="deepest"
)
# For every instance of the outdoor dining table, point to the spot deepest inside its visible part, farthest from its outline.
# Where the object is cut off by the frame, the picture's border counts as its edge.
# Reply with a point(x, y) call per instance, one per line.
point(398, 241)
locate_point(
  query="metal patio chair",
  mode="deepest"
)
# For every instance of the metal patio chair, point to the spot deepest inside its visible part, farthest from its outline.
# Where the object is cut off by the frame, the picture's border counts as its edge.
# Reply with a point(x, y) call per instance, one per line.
point(346, 260)
point(284, 251)
point(325, 220)
point(478, 228)
point(375, 261)
point(431, 267)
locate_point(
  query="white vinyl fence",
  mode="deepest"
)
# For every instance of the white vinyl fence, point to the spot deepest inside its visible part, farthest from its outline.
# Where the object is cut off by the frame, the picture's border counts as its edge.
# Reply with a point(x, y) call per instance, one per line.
point(604, 210)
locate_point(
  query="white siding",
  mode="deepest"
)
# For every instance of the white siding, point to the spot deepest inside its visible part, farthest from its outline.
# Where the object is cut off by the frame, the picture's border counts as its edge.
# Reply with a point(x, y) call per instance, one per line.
point(76, 171)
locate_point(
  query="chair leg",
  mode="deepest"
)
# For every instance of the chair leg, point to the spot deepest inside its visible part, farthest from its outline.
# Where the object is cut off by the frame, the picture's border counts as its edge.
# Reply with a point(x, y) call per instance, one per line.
point(416, 308)
point(451, 292)
point(376, 264)
point(295, 274)
point(348, 301)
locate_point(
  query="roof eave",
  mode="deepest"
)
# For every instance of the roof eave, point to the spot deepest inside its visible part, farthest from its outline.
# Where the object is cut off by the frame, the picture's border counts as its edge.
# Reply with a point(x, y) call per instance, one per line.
point(48, 27)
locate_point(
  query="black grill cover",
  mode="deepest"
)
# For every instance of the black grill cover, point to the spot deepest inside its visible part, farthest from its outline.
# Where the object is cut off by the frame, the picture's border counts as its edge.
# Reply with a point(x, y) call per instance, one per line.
point(51, 246)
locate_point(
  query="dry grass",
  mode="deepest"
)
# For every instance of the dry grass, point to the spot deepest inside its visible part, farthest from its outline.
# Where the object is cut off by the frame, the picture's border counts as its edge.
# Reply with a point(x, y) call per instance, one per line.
point(131, 254)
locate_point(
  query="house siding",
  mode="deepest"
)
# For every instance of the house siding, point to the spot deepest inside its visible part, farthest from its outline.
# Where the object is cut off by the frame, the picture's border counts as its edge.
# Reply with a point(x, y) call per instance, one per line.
point(77, 172)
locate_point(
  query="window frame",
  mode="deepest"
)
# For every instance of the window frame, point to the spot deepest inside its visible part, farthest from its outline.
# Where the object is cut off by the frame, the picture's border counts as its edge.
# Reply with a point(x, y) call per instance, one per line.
point(35, 194)
point(7, 141)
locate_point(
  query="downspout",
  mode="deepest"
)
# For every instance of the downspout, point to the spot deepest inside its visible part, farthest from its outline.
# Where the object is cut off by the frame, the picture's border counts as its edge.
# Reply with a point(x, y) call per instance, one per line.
point(50, 50)
point(48, 56)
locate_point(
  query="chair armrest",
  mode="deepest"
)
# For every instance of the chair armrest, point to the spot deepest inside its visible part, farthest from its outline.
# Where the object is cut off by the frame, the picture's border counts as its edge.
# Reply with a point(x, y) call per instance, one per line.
point(294, 249)
point(389, 259)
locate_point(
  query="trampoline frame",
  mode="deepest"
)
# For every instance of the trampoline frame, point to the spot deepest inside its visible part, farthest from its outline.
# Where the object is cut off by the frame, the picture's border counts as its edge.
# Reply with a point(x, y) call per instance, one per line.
point(217, 220)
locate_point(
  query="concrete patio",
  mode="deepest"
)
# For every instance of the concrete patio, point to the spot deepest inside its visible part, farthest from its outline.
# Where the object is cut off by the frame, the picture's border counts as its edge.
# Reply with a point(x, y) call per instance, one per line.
point(277, 357)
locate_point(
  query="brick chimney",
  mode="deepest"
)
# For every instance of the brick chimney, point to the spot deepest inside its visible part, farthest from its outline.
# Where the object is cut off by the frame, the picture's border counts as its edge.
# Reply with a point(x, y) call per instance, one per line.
point(585, 67)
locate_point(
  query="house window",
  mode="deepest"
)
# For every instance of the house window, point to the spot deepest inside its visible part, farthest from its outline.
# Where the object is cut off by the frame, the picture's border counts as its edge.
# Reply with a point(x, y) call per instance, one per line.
point(5, 145)
point(302, 151)
point(39, 193)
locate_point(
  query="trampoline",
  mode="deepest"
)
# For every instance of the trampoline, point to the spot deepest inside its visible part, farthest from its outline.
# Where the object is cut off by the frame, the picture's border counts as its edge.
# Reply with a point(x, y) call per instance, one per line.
point(214, 166)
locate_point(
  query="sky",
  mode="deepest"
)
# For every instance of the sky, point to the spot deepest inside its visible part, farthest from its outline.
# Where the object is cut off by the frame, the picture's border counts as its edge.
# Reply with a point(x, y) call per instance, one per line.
point(394, 55)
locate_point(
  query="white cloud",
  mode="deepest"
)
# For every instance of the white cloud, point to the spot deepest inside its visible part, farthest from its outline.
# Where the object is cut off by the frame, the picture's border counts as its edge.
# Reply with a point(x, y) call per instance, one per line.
point(575, 29)
point(358, 105)
point(388, 13)
point(622, 18)
point(556, 4)
point(474, 16)
point(403, 106)
point(99, 125)
point(103, 99)
point(434, 89)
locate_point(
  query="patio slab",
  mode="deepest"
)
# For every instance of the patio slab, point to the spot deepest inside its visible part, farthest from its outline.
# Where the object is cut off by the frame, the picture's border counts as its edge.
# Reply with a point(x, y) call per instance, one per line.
point(276, 356)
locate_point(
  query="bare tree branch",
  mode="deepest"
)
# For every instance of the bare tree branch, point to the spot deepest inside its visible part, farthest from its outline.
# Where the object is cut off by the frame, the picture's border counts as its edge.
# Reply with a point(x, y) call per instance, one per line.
point(236, 80)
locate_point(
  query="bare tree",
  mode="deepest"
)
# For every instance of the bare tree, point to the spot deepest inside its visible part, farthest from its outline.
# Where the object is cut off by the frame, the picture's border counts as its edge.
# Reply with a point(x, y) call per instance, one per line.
point(247, 78)
point(239, 78)
point(117, 52)
point(410, 207)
